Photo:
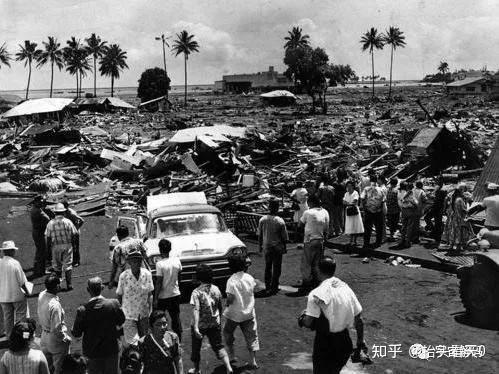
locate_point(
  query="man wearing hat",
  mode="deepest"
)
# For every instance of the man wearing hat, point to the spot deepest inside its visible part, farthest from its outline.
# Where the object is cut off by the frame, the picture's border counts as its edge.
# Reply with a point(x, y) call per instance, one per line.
point(13, 290)
point(491, 206)
point(39, 221)
point(134, 292)
point(61, 236)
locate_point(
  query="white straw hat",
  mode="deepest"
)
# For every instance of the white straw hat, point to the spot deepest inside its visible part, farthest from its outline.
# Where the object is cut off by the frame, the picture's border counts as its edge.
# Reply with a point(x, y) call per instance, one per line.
point(59, 208)
point(8, 244)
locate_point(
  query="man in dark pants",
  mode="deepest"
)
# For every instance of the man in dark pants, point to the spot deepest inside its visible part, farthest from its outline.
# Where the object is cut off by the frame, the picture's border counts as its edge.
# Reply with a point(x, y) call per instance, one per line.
point(166, 290)
point(78, 223)
point(332, 308)
point(436, 212)
point(373, 200)
point(272, 238)
point(39, 220)
point(99, 321)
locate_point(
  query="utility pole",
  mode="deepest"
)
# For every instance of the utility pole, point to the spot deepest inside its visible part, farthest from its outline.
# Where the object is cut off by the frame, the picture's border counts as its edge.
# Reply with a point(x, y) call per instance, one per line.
point(164, 42)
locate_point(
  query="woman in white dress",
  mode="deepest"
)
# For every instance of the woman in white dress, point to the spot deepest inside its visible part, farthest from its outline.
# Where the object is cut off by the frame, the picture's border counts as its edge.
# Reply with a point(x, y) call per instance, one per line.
point(353, 220)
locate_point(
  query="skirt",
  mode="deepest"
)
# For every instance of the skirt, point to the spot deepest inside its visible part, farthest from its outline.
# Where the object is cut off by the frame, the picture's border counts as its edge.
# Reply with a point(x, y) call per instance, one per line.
point(353, 224)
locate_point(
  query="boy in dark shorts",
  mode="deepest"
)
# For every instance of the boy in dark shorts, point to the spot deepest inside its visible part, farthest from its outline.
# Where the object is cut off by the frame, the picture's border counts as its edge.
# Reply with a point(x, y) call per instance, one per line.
point(206, 301)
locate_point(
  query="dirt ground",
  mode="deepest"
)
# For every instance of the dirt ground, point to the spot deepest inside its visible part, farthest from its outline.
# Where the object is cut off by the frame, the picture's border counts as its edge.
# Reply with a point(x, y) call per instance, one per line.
point(401, 306)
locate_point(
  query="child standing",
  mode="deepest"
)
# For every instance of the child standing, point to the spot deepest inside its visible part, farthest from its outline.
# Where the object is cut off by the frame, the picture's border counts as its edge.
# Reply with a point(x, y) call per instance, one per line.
point(206, 301)
point(240, 309)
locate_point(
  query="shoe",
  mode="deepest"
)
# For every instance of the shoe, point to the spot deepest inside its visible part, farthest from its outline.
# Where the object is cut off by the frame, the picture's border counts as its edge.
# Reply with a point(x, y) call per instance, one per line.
point(194, 371)
point(76, 264)
point(69, 288)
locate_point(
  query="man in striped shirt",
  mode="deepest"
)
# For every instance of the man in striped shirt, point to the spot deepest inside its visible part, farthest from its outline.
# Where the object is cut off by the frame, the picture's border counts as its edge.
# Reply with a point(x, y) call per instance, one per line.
point(61, 236)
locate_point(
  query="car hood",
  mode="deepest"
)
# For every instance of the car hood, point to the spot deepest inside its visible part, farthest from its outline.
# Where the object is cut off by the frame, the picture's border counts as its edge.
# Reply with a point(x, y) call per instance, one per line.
point(197, 246)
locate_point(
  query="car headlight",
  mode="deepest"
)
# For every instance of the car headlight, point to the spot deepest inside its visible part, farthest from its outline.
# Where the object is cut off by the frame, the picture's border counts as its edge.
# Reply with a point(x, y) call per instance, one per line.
point(238, 251)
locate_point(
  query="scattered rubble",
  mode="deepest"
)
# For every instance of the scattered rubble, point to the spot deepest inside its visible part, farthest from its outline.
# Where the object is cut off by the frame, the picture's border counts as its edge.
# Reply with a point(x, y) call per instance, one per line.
point(240, 152)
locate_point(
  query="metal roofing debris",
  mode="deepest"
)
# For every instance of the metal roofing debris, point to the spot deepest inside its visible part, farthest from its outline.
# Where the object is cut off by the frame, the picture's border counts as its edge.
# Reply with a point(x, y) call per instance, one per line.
point(278, 93)
point(490, 174)
point(35, 106)
point(217, 132)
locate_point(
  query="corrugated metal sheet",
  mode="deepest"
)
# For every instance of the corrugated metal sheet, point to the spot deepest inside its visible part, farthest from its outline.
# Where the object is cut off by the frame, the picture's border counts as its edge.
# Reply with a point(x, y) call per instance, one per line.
point(490, 173)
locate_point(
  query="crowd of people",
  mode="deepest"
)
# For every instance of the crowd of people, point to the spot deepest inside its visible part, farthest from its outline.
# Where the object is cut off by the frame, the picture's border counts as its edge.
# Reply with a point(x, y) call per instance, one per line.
point(131, 333)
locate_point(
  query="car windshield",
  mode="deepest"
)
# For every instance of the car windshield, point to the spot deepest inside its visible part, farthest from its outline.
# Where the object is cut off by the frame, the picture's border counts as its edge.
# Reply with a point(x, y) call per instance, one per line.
point(187, 224)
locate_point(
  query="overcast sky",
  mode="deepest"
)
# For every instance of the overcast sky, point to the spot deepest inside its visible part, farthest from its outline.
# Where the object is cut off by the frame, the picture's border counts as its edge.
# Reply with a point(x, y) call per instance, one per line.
point(238, 36)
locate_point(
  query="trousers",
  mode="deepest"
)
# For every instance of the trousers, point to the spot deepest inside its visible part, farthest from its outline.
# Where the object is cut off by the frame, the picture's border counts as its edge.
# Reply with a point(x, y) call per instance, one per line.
point(370, 220)
point(273, 264)
point(312, 253)
point(12, 313)
point(40, 252)
point(55, 350)
point(172, 306)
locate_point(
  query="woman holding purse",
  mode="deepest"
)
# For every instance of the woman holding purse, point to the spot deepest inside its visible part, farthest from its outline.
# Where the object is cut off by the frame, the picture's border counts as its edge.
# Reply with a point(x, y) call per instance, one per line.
point(353, 220)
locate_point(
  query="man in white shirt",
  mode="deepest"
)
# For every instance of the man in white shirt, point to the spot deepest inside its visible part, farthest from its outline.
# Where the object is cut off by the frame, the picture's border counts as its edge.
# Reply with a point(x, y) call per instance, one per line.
point(491, 206)
point(55, 339)
point(316, 222)
point(332, 309)
point(13, 289)
point(240, 309)
point(421, 197)
point(167, 291)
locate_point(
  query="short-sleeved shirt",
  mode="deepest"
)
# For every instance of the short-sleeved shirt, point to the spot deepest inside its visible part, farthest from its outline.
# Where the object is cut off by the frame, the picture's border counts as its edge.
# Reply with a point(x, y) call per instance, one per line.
point(12, 278)
point(420, 196)
point(373, 197)
point(135, 293)
point(337, 301)
point(316, 221)
point(169, 269)
point(492, 212)
point(242, 286)
point(273, 231)
point(121, 251)
point(207, 298)
point(392, 204)
point(61, 230)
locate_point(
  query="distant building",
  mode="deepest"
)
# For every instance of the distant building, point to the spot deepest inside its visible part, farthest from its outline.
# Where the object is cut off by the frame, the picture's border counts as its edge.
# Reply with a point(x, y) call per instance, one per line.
point(261, 82)
point(470, 86)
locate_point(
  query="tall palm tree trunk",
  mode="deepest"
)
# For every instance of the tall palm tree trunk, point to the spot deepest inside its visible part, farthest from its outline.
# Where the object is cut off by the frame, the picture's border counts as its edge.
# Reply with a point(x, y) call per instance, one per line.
point(391, 66)
point(81, 78)
point(112, 85)
point(372, 63)
point(95, 78)
point(51, 77)
point(185, 79)
point(29, 79)
point(77, 87)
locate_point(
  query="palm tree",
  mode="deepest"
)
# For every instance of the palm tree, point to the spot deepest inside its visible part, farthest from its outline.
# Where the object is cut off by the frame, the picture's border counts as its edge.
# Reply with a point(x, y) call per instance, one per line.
point(186, 45)
point(113, 60)
point(395, 38)
point(4, 56)
point(95, 47)
point(28, 53)
point(295, 39)
point(52, 53)
point(76, 58)
point(443, 68)
point(372, 40)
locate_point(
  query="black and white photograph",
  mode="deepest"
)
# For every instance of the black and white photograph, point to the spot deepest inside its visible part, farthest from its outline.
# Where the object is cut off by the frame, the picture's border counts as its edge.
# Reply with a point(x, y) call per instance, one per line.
point(249, 186)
